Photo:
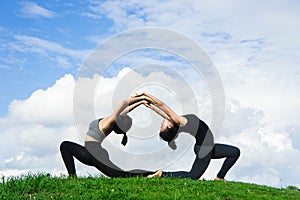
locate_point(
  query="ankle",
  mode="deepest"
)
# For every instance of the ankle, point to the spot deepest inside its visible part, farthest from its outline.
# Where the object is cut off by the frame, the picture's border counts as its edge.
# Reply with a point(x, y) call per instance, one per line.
point(220, 179)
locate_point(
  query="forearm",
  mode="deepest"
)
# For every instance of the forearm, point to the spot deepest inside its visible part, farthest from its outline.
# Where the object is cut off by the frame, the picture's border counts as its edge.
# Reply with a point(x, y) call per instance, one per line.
point(124, 107)
point(170, 113)
point(165, 111)
point(132, 106)
point(127, 105)
point(159, 111)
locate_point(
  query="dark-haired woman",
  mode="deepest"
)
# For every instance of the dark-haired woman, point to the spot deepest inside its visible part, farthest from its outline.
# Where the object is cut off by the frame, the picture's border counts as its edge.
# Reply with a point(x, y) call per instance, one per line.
point(205, 148)
point(92, 154)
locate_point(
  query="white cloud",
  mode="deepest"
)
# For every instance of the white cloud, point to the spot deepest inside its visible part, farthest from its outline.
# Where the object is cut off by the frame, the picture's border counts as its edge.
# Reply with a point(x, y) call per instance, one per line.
point(240, 20)
point(52, 106)
point(41, 46)
point(21, 44)
point(255, 47)
point(2, 29)
point(32, 10)
point(63, 62)
point(35, 127)
point(4, 67)
point(266, 151)
point(91, 15)
point(253, 44)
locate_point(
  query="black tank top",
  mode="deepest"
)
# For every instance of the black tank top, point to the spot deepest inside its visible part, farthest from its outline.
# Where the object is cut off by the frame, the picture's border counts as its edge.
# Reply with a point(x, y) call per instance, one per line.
point(197, 128)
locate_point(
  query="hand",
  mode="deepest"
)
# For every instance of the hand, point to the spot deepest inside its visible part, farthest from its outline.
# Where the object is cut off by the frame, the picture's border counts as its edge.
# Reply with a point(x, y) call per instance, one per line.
point(149, 105)
point(154, 100)
point(142, 96)
point(138, 94)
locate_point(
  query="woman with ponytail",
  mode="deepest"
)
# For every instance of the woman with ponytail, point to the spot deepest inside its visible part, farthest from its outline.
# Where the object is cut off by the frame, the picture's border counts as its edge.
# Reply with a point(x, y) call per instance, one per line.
point(92, 153)
point(205, 148)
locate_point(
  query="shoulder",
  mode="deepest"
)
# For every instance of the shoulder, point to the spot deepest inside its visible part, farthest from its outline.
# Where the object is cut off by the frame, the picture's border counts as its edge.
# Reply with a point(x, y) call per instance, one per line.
point(187, 118)
point(191, 116)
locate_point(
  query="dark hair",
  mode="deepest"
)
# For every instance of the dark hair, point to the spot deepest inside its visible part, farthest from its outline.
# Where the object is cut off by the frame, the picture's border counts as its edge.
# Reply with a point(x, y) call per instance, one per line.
point(122, 125)
point(169, 133)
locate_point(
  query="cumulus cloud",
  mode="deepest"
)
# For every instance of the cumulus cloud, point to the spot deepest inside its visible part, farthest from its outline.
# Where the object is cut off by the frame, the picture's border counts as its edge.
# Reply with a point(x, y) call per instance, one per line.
point(265, 150)
point(144, 143)
point(254, 46)
point(52, 106)
point(35, 127)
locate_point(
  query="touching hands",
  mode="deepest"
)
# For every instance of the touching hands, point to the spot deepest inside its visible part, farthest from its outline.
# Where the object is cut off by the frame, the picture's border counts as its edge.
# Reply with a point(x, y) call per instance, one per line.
point(131, 103)
point(160, 108)
point(150, 98)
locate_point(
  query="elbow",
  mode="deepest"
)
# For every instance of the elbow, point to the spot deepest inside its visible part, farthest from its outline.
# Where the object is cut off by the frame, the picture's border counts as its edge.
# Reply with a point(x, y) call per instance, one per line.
point(125, 102)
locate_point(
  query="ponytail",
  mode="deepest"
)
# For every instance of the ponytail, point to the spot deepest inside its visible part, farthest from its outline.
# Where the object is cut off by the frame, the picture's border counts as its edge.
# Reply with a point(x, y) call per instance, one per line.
point(118, 130)
point(125, 139)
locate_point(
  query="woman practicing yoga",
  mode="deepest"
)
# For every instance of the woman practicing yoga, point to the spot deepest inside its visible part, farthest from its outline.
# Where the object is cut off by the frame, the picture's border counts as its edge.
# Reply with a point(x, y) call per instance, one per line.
point(205, 148)
point(92, 153)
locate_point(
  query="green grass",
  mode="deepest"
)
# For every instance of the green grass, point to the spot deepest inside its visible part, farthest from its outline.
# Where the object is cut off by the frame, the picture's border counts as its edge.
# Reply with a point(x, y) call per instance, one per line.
point(47, 187)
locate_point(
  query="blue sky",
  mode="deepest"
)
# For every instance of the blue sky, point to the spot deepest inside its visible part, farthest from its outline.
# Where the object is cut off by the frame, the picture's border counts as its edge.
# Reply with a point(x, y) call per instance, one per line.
point(254, 45)
point(27, 28)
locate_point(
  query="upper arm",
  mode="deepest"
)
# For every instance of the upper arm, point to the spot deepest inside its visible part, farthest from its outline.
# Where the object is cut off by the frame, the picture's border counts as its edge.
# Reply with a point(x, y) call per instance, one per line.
point(106, 124)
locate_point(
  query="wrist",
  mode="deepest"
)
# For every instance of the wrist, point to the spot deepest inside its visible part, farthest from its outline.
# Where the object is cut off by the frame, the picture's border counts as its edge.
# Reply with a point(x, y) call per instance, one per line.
point(159, 103)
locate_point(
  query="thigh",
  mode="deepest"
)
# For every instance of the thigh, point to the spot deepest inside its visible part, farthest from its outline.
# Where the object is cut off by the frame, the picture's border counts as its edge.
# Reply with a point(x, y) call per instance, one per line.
point(73, 148)
point(203, 157)
point(100, 154)
point(223, 151)
point(80, 153)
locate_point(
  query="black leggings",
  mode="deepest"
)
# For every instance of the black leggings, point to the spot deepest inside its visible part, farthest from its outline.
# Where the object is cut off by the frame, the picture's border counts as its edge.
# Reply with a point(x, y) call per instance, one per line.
point(231, 154)
point(69, 150)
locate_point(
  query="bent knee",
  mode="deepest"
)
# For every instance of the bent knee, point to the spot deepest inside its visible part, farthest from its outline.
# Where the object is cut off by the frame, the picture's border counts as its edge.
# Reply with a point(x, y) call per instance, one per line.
point(63, 145)
point(236, 152)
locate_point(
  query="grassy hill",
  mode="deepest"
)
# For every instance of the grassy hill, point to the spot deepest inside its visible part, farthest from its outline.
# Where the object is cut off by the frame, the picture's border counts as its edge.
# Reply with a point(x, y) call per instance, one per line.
point(47, 187)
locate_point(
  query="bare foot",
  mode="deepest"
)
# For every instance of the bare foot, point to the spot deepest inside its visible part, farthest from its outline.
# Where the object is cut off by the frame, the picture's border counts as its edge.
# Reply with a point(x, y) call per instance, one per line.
point(220, 179)
point(157, 174)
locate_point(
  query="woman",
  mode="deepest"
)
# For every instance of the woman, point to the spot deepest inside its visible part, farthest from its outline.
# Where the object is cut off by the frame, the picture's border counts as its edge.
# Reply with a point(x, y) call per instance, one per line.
point(92, 153)
point(205, 148)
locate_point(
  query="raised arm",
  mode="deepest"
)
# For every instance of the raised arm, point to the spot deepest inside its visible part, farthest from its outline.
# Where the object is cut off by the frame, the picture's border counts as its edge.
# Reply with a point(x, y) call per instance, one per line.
point(158, 110)
point(163, 109)
point(131, 107)
point(127, 105)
